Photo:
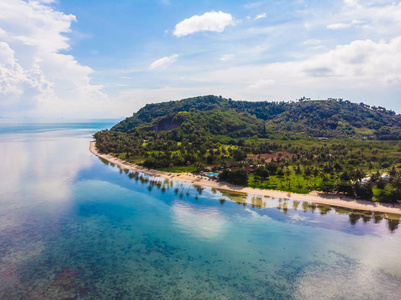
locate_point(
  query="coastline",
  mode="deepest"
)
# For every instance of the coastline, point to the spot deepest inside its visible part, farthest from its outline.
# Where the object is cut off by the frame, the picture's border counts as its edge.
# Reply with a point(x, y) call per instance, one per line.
point(316, 197)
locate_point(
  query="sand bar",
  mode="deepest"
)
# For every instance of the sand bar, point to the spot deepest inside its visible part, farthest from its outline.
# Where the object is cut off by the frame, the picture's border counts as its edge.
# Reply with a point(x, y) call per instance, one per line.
point(317, 197)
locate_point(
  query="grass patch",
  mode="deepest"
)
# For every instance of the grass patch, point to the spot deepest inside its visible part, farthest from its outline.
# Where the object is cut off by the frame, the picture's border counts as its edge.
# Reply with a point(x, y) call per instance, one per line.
point(178, 169)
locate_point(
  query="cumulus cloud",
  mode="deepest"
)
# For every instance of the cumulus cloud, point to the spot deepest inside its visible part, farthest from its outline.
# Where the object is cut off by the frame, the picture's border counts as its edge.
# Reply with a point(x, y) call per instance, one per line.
point(365, 69)
point(363, 60)
point(164, 61)
point(12, 75)
point(210, 21)
point(34, 75)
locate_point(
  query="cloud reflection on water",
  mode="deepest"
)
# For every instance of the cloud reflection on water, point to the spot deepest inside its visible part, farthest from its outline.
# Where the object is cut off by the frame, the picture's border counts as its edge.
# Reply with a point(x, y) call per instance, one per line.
point(204, 222)
point(38, 171)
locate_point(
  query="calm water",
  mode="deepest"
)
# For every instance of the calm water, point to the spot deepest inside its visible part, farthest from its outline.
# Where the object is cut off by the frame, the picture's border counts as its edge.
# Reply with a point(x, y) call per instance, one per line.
point(75, 227)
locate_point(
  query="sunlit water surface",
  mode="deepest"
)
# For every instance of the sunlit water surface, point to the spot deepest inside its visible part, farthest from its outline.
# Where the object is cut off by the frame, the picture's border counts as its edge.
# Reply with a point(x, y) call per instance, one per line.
point(75, 227)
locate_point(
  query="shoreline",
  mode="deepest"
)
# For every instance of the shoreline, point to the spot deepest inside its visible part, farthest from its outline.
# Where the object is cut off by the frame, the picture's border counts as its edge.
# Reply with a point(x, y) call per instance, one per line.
point(316, 197)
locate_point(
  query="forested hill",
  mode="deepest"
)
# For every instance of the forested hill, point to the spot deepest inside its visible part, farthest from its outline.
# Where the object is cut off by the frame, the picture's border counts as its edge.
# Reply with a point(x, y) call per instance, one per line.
point(204, 116)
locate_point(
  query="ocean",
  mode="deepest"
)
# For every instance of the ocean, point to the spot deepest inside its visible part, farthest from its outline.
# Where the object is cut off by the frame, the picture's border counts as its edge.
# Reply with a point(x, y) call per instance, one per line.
point(75, 227)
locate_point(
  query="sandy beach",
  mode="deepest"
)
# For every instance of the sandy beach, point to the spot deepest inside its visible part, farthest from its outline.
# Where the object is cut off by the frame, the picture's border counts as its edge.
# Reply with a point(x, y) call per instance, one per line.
point(317, 197)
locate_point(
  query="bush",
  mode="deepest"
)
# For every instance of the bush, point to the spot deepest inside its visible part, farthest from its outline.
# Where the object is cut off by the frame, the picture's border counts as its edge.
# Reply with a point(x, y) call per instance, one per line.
point(272, 167)
point(363, 191)
point(395, 195)
point(345, 176)
point(239, 155)
point(353, 162)
point(239, 177)
point(152, 163)
point(346, 188)
point(224, 175)
point(149, 163)
point(385, 165)
point(326, 187)
point(262, 172)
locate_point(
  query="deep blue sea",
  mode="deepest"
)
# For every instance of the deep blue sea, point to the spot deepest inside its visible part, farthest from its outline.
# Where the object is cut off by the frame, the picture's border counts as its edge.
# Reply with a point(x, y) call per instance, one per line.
point(75, 227)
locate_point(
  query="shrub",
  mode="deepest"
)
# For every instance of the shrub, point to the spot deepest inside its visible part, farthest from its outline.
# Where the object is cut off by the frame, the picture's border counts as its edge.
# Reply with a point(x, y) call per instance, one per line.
point(385, 165)
point(363, 191)
point(239, 177)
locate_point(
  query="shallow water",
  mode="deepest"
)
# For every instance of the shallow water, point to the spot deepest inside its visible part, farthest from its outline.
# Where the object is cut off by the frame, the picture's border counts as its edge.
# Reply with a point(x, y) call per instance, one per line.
point(74, 226)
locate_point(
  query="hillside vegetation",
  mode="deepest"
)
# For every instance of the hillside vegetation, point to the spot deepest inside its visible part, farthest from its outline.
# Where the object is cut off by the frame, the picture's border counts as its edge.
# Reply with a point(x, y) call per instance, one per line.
point(332, 144)
point(291, 120)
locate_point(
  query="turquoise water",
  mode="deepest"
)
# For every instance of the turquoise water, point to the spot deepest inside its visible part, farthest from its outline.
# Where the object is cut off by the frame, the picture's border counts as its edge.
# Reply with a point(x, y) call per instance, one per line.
point(211, 174)
point(75, 227)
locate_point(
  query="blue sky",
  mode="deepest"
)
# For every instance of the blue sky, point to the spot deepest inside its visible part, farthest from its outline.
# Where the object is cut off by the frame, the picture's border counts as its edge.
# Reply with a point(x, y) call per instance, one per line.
point(99, 59)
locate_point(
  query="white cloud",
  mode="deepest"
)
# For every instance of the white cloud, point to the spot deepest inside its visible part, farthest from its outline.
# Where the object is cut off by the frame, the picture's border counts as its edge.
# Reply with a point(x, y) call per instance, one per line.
point(313, 45)
point(338, 26)
point(362, 60)
point(351, 3)
point(34, 75)
point(365, 70)
point(162, 62)
point(210, 21)
point(364, 66)
point(260, 16)
point(343, 25)
point(378, 18)
point(261, 83)
point(11, 73)
point(227, 57)
point(315, 48)
point(312, 42)
point(253, 5)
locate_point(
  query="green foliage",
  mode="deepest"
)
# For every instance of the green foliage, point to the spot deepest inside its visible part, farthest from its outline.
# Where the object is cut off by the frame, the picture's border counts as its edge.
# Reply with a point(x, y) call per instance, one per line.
point(345, 176)
point(236, 119)
point(346, 188)
point(238, 177)
point(272, 167)
point(262, 172)
point(187, 135)
point(363, 191)
point(327, 187)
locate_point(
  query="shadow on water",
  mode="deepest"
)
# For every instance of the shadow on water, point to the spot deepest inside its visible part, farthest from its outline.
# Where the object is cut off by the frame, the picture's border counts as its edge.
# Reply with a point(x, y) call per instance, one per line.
point(261, 202)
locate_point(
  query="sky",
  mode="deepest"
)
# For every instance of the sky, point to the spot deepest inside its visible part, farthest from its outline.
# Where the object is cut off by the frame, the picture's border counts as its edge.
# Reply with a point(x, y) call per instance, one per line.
point(107, 59)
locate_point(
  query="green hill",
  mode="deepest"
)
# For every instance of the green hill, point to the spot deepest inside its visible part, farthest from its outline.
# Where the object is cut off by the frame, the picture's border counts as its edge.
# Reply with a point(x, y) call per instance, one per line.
point(292, 146)
point(211, 115)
